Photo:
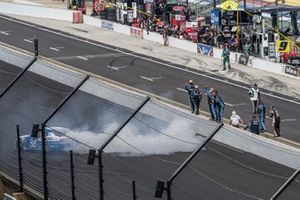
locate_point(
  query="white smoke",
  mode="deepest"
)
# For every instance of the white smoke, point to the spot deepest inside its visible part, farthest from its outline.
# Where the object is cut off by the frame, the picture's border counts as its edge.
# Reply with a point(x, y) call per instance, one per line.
point(136, 139)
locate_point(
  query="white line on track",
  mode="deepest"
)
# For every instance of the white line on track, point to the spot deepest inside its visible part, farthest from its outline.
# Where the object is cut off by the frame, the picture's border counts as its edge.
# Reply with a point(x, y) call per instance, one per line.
point(147, 59)
point(117, 68)
point(150, 78)
point(57, 49)
point(5, 32)
point(82, 58)
point(182, 90)
point(28, 40)
point(235, 105)
point(288, 120)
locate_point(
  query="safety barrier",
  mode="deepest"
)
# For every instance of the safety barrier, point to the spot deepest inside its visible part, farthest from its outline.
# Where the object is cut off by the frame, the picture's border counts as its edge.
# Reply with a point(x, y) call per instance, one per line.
point(36, 11)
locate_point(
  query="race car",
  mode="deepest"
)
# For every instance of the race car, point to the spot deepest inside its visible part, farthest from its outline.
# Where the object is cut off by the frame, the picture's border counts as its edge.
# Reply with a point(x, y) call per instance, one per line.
point(53, 142)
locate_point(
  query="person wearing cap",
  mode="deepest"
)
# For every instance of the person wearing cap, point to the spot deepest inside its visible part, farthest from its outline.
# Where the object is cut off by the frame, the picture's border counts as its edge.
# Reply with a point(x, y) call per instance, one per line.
point(197, 97)
point(190, 88)
point(254, 94)
point(274, 114)
point(235, 120)
point(253, 125)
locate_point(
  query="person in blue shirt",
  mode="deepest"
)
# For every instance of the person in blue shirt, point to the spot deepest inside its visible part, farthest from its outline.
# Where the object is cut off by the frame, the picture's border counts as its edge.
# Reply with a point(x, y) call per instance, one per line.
point(210, 101)
point(261, 109)
point(219, 106)
point(253, 125)
point(197, 97)
point(190, 88)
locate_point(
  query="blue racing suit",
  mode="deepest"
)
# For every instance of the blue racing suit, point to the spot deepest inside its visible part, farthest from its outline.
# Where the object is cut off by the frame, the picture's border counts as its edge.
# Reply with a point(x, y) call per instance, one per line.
point(210, 101)
point(190, 88)
point(262, 115)
point(220, 106)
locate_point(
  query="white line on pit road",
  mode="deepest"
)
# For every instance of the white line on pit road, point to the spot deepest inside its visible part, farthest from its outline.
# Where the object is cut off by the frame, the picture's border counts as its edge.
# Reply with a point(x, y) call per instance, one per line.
point(235, 105)
point(116, 68)
point(288, 120)
point(5, 32)
point(150, 78)
point(144, 58)
point(57, 49)
point(28, 40)
point(82, 58)
point(182, 90)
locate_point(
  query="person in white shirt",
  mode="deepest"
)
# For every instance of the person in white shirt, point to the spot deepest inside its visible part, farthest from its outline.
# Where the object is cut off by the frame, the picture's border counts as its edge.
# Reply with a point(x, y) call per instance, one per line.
point(254, 94)
point(235, 120)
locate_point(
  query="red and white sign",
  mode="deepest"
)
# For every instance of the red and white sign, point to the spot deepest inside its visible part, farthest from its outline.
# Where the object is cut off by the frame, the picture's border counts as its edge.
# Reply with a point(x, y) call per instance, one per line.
point(136, 32)
point(148, 7)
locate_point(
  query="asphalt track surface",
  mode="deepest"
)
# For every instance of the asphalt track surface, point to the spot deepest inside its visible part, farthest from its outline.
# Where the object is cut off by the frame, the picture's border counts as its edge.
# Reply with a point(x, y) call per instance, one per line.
point(154, 77)
point(218, 173)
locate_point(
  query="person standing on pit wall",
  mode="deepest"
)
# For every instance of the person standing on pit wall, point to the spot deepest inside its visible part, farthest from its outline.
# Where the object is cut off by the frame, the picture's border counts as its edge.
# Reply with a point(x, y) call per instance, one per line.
point(210, 101)
point(261, 109)
point(165, 36)
point(235, 120)
point(226, 57)
point(274, 114)
point(190, 88)
point(254, 94)
point(219, 106)
point(253, 125)
point(197, 97)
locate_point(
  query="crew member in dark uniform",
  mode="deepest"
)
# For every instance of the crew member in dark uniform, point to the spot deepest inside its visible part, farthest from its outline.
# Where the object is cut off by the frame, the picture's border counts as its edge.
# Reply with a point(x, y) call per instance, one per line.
point(190, 88)
point(253, 125)
point(197, 97)
point(274, 114)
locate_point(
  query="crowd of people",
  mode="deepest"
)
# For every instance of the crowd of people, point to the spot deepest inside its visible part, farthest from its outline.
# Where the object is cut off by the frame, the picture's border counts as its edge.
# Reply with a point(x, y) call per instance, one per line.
point(215, 102)
point(216, 106)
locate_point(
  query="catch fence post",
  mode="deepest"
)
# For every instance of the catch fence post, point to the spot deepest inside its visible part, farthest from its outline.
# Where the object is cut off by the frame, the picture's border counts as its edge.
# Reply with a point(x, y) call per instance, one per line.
point(20, 159)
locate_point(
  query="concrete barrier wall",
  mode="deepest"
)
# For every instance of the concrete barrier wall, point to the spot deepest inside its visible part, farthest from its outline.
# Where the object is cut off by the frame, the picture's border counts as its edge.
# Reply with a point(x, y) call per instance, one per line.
point(92, 21)
point(260, 146)
point(36, 11)
point(120, 28)
point(183, 44)
point(154, 37)
point(14, 58)
point(268, 66)
point(253, 62)
point(55, 73)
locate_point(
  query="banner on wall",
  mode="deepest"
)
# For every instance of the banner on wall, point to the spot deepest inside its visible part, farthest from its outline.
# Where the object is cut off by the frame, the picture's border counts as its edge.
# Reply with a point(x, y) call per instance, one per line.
point(291, 70)
point(215, 17)
point(107, 25)
point(136, 32)
point(283, 46)
point(205, 49)
point(243, 59)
